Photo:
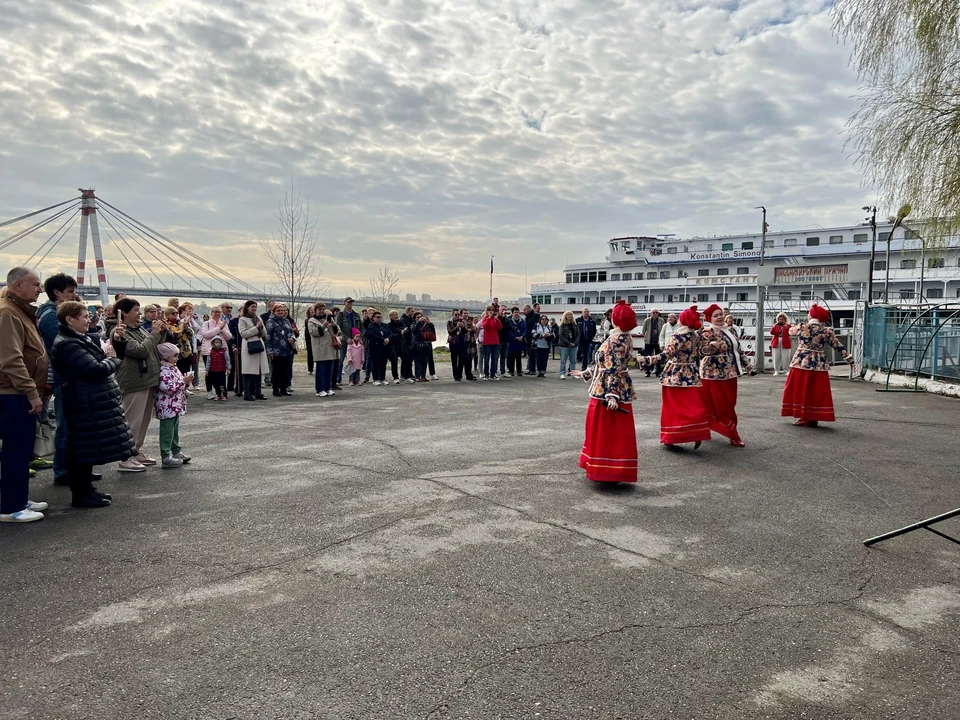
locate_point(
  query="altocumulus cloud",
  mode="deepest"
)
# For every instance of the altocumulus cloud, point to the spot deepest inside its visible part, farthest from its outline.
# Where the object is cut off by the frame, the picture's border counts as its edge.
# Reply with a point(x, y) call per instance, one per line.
point(430, 134)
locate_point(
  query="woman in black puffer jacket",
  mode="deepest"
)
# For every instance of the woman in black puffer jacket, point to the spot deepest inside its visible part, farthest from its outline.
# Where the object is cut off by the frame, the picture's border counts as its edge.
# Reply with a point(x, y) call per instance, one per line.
point(97, 430)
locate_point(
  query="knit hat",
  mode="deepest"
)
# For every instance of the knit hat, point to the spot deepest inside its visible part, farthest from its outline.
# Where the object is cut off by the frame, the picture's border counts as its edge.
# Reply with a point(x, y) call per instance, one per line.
point(356, 331)
point(819, 313)
point(168, 350)
point(708, 313)
point(624, 317)
point(691, 318)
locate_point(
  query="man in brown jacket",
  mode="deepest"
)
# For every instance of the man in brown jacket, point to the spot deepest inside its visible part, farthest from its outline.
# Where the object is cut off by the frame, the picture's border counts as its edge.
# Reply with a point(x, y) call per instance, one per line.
point(23, 380)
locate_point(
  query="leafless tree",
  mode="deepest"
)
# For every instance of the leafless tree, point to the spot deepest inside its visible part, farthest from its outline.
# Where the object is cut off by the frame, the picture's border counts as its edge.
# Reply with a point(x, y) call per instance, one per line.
point(384, 286)
point(906, 133)
point(293, 252)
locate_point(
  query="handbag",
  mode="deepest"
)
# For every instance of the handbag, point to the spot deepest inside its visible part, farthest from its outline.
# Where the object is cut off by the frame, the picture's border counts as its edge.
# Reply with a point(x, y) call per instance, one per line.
point(254, 347)
point(336, 342)
point(43, 446)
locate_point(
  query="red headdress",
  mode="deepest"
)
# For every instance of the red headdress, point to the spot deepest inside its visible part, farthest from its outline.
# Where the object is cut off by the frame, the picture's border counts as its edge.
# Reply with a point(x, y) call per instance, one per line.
point(691, 318)
point(624, 317)
point(708, 313)
point(819, 313)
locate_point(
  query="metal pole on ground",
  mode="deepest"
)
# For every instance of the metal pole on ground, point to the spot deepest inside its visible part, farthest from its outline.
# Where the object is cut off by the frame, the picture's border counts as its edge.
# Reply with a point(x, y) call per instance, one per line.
point(923, 524)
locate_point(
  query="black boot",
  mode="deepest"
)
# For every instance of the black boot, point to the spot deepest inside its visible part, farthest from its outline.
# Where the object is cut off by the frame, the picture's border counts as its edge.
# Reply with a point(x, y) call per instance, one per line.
point(91, 500)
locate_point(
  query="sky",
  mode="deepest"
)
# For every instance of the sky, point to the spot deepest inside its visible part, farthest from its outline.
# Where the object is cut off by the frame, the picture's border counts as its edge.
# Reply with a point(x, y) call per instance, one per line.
point(428, 135)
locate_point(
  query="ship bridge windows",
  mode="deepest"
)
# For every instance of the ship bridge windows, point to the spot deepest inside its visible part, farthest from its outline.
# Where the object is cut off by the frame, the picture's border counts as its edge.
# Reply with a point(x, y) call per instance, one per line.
point(703, 272)
point(592, 276)
point(601, 276)
point(583, 277)
point(572, 278)
point(860, 238)
point(813, 241)
point(652, 275)
point(723, 271)
point(790, 242)
point(727, 246)
point(908, 264)
point(628, 276)
point(614, 277)
point(746, 246)
point(743, 271)
point(836, 239)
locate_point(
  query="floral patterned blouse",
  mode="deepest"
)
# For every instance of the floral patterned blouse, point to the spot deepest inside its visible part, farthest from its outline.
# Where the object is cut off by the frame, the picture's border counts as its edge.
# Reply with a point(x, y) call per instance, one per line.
point(609, 373)
point(720, 362)
point(812, 337)
point(171, 398)
point(683, 359)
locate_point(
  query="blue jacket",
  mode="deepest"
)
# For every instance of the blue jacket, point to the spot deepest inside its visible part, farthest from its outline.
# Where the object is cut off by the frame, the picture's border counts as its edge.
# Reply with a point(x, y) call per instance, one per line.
point(278, 331)
point(588, 329)
point(518, 328)
point(376, 334)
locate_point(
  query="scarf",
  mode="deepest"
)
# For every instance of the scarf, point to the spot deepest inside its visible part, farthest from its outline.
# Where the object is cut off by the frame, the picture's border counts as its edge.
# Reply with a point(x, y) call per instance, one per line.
point(734, 342)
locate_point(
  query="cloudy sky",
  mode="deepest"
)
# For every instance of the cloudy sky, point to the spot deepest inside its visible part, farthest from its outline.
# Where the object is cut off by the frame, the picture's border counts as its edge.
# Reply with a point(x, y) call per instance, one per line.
point(428, 134)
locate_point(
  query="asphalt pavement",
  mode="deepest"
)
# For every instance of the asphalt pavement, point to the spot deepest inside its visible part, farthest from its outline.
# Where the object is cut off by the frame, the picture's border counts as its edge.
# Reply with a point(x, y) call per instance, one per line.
point(433, 551)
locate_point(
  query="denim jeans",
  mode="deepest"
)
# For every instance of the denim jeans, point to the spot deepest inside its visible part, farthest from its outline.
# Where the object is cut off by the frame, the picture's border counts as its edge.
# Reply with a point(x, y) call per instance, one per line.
point(490, 353)
point(18, 428)
point(568, 359)
point(323, 375)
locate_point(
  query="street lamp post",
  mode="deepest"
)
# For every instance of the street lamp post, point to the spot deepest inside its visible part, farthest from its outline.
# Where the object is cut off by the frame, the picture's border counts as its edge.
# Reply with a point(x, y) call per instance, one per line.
point(873, 249)
point(758, 334)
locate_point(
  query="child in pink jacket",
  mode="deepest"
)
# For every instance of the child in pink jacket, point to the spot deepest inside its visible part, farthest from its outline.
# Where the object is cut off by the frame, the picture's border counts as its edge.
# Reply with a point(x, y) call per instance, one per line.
point(355, 355)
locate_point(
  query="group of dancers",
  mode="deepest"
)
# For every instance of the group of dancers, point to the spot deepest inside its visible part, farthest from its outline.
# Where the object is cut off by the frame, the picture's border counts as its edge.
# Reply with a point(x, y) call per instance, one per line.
point(699, 379)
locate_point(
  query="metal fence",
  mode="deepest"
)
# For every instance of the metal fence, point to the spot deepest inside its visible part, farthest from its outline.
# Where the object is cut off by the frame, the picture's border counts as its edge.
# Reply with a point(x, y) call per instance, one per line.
point(918, 341)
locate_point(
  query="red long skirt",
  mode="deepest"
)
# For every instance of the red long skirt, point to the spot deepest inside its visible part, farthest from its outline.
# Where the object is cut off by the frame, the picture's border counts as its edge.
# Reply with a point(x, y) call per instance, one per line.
point(610, 445)
point(683, 419)
point(720, 403)
point(807, 396)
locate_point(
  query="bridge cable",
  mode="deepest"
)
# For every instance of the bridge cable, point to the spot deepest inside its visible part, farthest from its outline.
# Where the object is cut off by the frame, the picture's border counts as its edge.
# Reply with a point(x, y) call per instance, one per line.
point(118, 243)
point(206, 264)
point(132, 249)
point(146, 246)
point(172, 258)
point(23, 233)
point(72, 221)
point(24, 217)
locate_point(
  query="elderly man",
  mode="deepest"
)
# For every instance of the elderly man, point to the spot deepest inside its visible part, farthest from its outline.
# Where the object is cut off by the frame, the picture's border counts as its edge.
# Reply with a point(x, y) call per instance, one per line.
point(23, 380)
point(651, 337)
point(588, 329)
point(347, 319)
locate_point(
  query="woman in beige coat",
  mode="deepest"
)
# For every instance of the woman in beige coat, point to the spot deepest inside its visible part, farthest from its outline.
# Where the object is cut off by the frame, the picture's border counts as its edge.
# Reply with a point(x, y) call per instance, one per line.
point(252, 365)
point(323, 331)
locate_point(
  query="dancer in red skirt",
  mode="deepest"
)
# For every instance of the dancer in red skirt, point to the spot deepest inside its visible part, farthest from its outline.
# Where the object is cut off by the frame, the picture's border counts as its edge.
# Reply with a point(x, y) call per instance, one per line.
point(610, 446)
point(683, 418)
point(723, 362)
point(807, 396)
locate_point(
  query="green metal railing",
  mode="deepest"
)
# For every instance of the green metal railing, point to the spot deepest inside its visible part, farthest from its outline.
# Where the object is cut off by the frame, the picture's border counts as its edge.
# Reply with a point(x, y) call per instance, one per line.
point(918, 341)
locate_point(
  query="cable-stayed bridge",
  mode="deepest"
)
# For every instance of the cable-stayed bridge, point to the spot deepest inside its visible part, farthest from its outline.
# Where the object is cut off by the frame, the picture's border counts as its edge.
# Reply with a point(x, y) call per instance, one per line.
point(163, 267)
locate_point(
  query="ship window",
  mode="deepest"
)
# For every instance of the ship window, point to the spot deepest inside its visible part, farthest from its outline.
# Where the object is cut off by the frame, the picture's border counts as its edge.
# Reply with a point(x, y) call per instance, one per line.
point(883, 237)
point(583, 277)
point(742, 297)
point(743, 271)
point(569, 278)
point(935, 293)
point(906, 294)
point(829, 295)
point(702, 297)
point(790, 242)
point(571, 301)
point(709, 247)
point(806, 295)
point(786, 296)
point(602, 300)
point(601, 276)
point(721, 297)
point(614, 276)
point(631, 299)
point(723, 271)
point(593, 276)
point(652, 275)
point(879, 265)
point(813, 241)
point(934, 263)
point(860, 238)
point(768, 243)
point(703, 272)
point(836, 239)
point(684, 298)
point(746, 246)
point(727, 246)
point(909, 234)
point(853, 294)
point(664, 274)
point(558, 301)
point(671, 251)
point(908, 264)
point(648, 299)
point(669, 298)
point(628, 276)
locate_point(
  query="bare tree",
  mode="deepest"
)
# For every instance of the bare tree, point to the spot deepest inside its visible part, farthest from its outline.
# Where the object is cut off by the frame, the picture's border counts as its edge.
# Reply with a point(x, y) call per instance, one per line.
point(383, 288)
point(293, 252)
point(906, 133)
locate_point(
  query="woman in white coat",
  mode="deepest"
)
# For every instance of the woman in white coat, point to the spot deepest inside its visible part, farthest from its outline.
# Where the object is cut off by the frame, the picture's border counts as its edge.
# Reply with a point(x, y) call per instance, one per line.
point(253, 364)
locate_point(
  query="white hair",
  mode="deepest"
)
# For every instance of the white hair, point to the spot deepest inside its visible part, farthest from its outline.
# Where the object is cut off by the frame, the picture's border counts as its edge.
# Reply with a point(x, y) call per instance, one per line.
point(17, 274)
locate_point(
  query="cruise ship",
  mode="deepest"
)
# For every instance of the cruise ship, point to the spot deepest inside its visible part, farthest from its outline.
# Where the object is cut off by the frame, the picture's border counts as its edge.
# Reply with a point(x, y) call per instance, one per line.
point(787, 270)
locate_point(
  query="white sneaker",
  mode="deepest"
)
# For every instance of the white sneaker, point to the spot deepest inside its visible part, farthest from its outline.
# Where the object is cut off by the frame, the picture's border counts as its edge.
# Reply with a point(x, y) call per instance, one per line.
point(131, 465)
point(775, 373)
point(509, 374)
point(331, 393)
point(483, 377)
point(322, 393)
point(563, 377)
point(378, 383)
point(189, 391)
point(411, 380)
point(496, 377)
point(210, 395)
point(290, 391)
point(36, 506)
point(396, 382)
point(434, 377)
point(25, 515)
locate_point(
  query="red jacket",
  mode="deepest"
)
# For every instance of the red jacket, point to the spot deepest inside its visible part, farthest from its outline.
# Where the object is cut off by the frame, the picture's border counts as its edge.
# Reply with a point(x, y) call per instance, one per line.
point(491, 330)
point(781, 336)
point(218, 360)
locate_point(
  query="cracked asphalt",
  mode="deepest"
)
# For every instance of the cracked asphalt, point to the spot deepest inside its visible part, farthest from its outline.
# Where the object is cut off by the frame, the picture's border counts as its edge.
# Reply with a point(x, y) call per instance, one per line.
point(433, 552)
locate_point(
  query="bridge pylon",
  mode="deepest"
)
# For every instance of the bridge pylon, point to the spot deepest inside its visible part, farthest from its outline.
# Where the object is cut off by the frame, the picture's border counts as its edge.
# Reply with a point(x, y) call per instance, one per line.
point(88, 218)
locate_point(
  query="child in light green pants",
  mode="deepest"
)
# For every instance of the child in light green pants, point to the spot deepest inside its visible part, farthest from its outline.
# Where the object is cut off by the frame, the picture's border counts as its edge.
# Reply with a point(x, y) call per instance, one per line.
point(170, 403)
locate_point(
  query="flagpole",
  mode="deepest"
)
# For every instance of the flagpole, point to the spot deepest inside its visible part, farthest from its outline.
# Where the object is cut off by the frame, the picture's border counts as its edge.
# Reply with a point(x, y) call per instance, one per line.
point(490, 299)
